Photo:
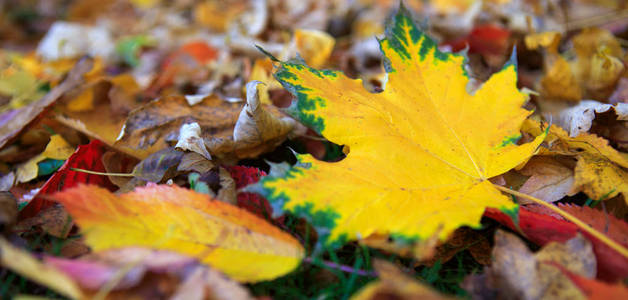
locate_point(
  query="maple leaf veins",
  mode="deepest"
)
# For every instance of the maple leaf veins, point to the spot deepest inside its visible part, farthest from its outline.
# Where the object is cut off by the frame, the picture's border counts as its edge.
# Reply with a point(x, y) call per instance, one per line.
point(421, 151)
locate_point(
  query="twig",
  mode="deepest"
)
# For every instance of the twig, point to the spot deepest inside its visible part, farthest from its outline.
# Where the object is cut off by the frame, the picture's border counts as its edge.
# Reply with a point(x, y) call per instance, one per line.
point(343, 268)
point(600, 236)
point(102, 173)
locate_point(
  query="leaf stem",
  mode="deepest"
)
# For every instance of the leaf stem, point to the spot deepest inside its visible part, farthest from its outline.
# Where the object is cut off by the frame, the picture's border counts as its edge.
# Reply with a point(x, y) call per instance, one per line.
point(598, 235)
point(343, 268)
point(102, 173)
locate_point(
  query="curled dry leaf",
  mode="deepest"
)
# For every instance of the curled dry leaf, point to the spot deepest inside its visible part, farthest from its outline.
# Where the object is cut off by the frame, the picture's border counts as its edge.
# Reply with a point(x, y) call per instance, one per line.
point(578, 119)
point(190, 140)
point(142, 273)
point(258, 128)
point(394, 284)
point(164, 217)
point(517, 273)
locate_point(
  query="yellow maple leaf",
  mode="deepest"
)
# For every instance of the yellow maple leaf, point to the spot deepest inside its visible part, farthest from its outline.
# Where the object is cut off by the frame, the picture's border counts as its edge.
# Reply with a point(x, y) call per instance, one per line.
point(419, 154)
point(228, 238)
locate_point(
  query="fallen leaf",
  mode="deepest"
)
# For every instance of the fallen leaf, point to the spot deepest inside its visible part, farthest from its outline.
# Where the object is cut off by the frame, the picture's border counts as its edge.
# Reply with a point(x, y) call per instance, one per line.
point(8, 210)
point(578, 119)
point(599, 171)
point(313, 46)
point(598, 290)
point(550, 180)
point(21, 262)
point(159, 166)
point(57, 149)
point(256, 131)
point(86, 157)
point(53, 220)
point(13, 122)
point(227, 238)
point(135, 272)
point(161, 119)
point(437, 163)
point(542, 229)
point(190, 140)
point(394, 284)
point(517, 273)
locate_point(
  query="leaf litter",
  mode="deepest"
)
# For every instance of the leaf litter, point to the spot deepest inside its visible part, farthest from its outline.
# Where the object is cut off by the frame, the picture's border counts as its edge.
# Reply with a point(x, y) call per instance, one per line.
point(313, 149)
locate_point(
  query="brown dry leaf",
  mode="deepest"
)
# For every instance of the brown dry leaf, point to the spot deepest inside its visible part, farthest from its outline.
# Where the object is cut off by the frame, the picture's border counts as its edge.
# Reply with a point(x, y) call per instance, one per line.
point(394, 284)
point(600, 168)
point(155, 124)
point(517, 273)
point(17, 120)
point(258, 129)
point(8, 210)
point(53, 220)
point(420, 250)
point(194, 162)
point(550, 179)
point(99, 110)
point(116, 162)
point(462, 239)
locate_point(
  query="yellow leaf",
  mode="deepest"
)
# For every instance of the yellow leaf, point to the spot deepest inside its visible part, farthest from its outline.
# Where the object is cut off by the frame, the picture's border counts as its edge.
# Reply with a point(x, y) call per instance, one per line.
point(57, 148)
point(230, 239)
point(559, 83)
point(24, 264)
point(599, 178)
point(600, 170)
point(419, 154)
point(83, 102)
point(314, 46)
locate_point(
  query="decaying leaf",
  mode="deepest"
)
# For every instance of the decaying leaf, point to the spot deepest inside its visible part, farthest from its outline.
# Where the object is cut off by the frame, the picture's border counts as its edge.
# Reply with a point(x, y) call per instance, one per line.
point(8, 210)
point(163, 217)
point(439, 150)
point(13, 122)
point(550, 179)
point(394, 284)
point(141, 273)
point(578, 119)
point(28, 266)
point(542, 229)
point(599, 171)
point(190, 140)
point(517, 273)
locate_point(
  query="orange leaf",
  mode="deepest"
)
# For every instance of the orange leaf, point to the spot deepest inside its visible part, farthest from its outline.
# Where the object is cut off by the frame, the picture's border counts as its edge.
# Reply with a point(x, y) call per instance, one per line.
point(164, 217)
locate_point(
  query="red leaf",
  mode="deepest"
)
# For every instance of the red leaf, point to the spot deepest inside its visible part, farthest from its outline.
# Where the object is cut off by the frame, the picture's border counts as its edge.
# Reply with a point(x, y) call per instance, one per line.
point(542, 229)
point(597, 290)
point(86, 157)
point(483, 39)
point(254, 203)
